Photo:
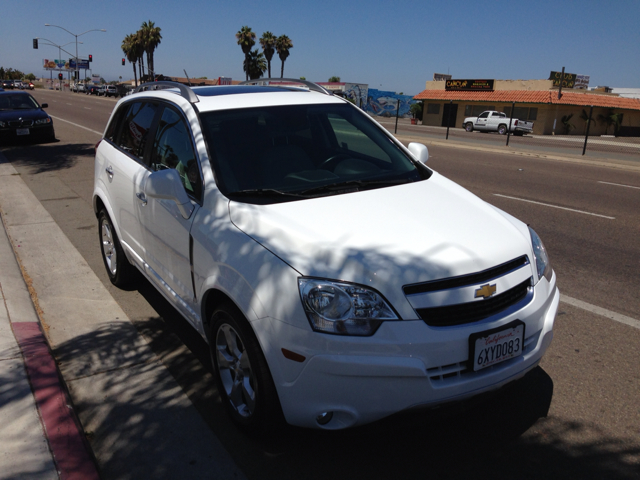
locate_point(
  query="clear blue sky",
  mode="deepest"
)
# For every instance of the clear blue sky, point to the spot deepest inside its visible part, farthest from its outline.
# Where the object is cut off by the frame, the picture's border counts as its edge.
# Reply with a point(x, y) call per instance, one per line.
point(393, 46)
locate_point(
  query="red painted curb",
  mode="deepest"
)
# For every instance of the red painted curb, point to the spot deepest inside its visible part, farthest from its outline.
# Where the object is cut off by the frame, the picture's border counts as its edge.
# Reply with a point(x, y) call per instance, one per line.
point(70, 451)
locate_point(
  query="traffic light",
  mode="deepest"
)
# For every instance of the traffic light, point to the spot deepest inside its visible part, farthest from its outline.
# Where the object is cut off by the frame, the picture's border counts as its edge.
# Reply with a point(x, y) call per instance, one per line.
point(91, 58)
point(35, 43)
point(60, 76)
point(123, 61)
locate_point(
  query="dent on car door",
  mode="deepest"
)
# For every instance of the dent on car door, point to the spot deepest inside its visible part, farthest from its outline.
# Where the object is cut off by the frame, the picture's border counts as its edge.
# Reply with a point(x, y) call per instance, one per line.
point(125, 168)
point(165, 231)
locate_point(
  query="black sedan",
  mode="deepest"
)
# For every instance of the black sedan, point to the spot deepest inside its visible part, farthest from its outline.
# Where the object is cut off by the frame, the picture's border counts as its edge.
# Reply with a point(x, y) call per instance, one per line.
point(23, 118)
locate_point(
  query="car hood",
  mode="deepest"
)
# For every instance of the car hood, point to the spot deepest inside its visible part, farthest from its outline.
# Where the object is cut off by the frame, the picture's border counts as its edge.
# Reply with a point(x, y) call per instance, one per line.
point(387, 237)
point(31, 114)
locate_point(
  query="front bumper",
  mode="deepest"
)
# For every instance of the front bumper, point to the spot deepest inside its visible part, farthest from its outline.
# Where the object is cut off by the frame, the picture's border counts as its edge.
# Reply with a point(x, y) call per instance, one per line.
point(405, 365)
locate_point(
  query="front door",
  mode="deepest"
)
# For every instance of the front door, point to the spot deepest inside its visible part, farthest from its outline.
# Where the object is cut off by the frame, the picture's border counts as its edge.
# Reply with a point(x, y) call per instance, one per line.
point(449, 114)
point(165, 231)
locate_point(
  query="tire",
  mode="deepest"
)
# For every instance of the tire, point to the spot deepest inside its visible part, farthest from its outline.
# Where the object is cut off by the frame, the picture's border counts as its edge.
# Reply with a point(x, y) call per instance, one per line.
point(244, 382)
point(121, 273)
point(502, 129)
point(469, 127)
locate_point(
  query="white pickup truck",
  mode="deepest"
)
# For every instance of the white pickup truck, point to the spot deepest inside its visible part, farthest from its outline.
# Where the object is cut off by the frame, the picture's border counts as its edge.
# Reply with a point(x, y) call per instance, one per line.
point(492, 121)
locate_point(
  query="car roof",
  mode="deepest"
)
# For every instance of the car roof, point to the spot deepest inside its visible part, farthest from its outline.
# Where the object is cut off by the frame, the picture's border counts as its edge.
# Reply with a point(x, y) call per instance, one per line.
point(224, 97)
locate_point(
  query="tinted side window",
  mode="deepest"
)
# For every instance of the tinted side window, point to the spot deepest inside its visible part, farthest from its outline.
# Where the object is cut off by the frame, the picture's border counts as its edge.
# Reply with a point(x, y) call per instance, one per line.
point(484, 115)
point(172, 148)
point(136, 122)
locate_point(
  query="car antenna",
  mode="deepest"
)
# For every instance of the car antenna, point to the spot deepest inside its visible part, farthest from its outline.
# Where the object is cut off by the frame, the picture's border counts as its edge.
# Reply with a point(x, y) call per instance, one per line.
point(187, 75)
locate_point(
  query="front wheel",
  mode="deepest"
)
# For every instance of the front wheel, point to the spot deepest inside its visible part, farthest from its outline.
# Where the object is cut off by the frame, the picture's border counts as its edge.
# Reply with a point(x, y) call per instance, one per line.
point(502, 129)
point(121, 273)
point(241, 371)
point(469, 127)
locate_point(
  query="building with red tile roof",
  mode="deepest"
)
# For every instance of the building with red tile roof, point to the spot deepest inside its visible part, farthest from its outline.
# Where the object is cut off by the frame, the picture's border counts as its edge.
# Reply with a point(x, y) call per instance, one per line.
point(535, 100)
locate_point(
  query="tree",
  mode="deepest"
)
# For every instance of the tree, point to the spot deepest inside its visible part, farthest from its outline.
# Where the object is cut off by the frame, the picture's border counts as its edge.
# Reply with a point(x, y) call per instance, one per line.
point(584, 116)
point(566, 126)
point(416, 110)
point(268, 44)
point(283, 45)
point(255, 64)
point(246, 39)
point(611, 119)
point(130, 51)
point(334, 79)
point(151, 38)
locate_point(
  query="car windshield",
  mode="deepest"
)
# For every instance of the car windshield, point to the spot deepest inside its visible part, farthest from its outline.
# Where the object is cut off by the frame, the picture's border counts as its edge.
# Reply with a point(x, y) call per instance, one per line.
point(288, 153)
point(18, 102)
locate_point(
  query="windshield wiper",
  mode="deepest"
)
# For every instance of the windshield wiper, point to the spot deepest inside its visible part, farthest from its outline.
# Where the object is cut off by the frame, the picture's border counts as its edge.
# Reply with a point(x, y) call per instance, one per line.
point(266, 192)
point(353, 185)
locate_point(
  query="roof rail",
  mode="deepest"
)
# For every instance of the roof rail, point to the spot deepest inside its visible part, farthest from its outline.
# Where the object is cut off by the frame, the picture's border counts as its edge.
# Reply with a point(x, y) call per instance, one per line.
point(275, 81)
point(185, 91)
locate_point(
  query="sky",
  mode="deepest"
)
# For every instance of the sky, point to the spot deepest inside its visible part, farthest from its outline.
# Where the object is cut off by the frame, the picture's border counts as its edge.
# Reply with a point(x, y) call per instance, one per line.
point(394, 46)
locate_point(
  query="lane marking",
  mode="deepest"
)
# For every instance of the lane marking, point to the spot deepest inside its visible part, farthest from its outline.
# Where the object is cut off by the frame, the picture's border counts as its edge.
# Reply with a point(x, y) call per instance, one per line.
point(87, 108)
point(620, 185)
point(76, 125)
point(555, 206)
point(632, 322)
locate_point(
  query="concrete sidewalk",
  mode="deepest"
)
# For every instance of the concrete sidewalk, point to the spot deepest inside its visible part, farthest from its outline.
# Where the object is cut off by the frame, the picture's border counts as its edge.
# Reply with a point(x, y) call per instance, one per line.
point(134, 416)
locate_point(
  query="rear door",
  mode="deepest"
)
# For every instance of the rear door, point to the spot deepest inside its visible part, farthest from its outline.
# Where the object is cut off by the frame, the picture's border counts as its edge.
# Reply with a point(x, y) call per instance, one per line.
point(124, 170)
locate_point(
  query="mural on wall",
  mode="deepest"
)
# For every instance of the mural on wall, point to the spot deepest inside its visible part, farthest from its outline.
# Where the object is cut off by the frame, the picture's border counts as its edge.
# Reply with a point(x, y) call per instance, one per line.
point(357, 93)
point(384, 104)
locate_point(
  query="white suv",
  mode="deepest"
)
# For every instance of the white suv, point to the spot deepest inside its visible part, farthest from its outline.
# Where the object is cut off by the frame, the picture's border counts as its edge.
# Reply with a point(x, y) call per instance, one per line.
point(336, 278)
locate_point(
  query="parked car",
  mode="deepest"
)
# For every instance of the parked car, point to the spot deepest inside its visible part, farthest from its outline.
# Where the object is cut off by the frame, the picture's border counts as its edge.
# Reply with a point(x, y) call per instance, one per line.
point(91, 89)
point(336, 278)
point(492, 121)
point(80, 87)
point(23, 118)
point(18, 84)
point(109, 91)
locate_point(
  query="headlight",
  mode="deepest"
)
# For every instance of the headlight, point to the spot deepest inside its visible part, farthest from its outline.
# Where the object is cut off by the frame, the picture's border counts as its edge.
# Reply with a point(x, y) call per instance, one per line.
point(2, 124)
point(343, 308)
point(43, 121)
point(543, 266)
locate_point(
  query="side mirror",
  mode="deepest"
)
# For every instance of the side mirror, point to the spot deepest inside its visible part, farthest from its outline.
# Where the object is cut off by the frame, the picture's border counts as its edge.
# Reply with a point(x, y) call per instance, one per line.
point(166, 184)
point(44, 105)
point(419, 151)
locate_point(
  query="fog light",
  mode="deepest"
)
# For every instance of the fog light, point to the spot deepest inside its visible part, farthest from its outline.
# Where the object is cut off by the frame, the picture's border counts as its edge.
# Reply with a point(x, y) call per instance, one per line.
point(324, 418)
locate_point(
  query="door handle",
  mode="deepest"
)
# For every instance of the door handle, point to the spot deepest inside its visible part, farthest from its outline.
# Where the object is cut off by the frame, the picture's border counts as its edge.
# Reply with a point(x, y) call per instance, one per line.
point(109, 171)
point(142, 197)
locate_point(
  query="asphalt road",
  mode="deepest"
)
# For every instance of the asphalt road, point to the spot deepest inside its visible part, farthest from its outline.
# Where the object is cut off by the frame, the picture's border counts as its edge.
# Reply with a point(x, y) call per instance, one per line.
point(578, 416)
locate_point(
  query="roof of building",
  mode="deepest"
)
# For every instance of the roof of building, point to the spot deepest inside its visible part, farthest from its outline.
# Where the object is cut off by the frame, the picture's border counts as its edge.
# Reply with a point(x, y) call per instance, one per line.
point(536, 96)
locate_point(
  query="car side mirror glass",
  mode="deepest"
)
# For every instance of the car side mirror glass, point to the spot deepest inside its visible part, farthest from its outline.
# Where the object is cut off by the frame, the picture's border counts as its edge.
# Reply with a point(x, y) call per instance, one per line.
point(419, 151)
point(166, 184)
point(44, 105)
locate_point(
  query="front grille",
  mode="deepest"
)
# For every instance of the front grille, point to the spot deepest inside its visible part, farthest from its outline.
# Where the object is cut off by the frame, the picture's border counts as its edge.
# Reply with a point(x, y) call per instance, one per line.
point(20, 123)
point(464, 280)
point(473, 311)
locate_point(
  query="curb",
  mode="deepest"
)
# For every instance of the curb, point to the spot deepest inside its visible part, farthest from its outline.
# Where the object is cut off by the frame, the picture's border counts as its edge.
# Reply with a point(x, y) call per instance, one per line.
point(71, 453)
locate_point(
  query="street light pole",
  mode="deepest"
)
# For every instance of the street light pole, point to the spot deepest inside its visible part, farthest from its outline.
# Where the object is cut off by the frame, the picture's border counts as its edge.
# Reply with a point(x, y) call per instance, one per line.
point(77, 74)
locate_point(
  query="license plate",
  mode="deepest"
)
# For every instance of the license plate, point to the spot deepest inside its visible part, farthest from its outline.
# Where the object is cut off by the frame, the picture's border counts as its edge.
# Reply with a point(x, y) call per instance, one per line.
point(494, 346)
point(22, 131)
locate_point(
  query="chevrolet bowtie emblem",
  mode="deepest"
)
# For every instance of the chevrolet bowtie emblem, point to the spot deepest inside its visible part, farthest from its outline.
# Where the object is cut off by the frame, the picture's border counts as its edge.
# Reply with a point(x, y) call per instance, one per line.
point(486, 291)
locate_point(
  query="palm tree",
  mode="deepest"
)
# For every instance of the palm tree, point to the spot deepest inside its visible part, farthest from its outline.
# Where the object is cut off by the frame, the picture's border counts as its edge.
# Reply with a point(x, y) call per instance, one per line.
point(566, 125)
point(283, 45)
point(611, 119)
point(151, 39)
point(246, 39)
point(268, 44)
point(584, 116)
point(255, 64)
point(130, 52)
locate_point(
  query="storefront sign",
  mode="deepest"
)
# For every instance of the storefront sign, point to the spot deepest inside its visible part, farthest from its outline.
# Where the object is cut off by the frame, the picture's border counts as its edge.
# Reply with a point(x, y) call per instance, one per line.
point(568, 82)
point(469, 85)
point(582, 81)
